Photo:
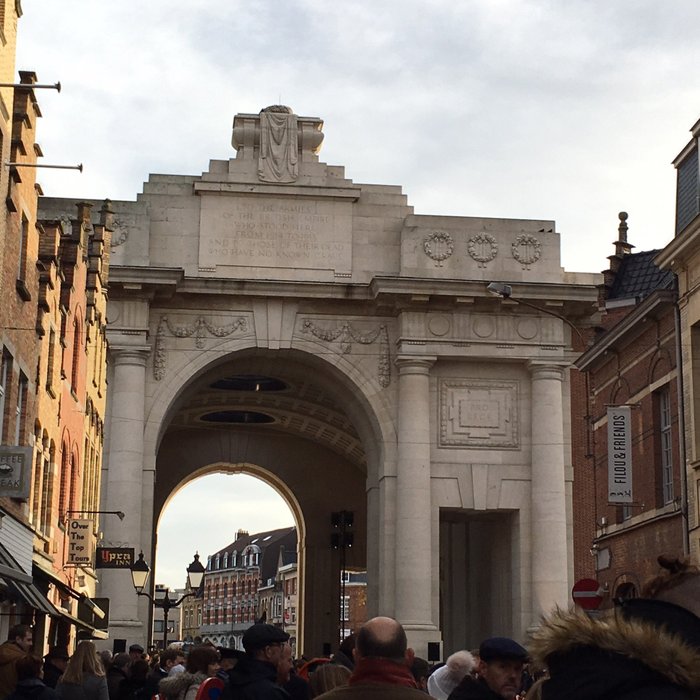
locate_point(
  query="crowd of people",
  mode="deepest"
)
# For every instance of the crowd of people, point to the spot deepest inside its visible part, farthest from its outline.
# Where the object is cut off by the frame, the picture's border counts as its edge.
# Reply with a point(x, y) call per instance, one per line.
point(647, 647)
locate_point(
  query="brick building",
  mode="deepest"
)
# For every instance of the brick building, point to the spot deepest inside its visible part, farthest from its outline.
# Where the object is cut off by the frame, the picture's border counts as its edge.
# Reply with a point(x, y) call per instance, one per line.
point(53, 277)
point(232, 583)
point(633, 362)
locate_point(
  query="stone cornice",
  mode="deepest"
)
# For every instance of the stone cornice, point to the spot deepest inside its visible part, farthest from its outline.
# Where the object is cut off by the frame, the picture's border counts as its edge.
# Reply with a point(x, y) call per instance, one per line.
point(351, 194)
point(394, 289)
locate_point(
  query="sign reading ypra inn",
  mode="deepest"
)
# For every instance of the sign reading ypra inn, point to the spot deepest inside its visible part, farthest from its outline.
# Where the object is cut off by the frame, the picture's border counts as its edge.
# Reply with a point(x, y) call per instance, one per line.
point(15, 470)
point(619, 455)
point(114, 558)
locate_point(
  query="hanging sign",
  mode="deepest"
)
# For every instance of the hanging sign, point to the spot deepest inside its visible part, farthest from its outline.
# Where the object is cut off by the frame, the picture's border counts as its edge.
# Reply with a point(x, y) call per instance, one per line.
point(620, 454)
point(15, 471)
point(114, 558)
point(81, 543)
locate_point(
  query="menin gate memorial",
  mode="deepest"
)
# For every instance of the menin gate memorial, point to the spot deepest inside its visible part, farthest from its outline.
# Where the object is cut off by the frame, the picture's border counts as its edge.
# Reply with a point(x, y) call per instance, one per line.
point(402, 390)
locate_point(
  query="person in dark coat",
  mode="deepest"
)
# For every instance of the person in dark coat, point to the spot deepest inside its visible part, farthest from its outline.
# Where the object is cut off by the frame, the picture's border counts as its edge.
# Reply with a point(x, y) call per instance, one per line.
point(29, 683)
point(648, 648)
point(19, 643)
point(117, 672)
point(255, 676)
point(498, 674)
point(55, 663)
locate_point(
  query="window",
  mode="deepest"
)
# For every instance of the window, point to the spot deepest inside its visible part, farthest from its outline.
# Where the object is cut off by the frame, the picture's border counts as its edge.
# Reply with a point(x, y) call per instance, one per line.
point(51, 364)
point(22, 261)
point(21, 408)
point(345, 607)
point(5, 374)
point(666, 445)
point(77, 343)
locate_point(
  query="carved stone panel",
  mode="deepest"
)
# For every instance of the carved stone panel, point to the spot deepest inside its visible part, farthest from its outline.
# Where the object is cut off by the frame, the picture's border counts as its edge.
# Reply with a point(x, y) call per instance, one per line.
point(275, 232)
point(479, 413)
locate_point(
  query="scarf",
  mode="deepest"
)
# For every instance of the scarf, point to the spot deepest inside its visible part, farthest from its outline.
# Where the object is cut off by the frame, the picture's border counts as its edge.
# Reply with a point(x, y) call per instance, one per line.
point(378, 670)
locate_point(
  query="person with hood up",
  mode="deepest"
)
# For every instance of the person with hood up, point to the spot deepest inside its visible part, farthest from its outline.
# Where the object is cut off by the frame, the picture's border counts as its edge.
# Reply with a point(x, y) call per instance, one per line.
point(647, 648)
point(29, 683)
point(255, 676)
point(84, 677)
point(202, 663)
point(19, 643)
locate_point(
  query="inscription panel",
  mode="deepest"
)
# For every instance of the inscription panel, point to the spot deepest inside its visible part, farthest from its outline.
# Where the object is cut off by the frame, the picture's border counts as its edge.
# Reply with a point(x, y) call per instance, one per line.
point(479, 413)
point(260, 231)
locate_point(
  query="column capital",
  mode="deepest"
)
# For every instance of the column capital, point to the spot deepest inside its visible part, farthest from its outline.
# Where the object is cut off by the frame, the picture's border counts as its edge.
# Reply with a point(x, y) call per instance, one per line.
point(415, 364)
point(543, 369)
point(130, 354)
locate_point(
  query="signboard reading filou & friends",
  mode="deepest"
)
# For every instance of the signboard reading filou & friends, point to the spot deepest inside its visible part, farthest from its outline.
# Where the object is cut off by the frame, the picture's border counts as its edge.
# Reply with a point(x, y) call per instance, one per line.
point(81, 543)
point(619, 454)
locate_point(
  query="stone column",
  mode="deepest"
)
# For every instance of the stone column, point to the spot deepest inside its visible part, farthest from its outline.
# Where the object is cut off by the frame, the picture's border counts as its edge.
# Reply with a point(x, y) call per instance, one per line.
point(414, 556)
point(550, 581)
point(123, 487)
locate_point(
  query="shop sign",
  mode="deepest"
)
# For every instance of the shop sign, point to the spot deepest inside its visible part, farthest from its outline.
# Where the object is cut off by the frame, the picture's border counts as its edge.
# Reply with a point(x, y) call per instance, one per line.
point(619, 454)
point(81, 542)
point(15, 470)
point(114, 558)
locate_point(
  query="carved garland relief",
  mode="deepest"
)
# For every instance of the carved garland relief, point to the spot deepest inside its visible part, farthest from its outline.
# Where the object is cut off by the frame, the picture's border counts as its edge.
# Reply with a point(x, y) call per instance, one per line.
point(345, 335)
point(479, 414)
point(197, 328)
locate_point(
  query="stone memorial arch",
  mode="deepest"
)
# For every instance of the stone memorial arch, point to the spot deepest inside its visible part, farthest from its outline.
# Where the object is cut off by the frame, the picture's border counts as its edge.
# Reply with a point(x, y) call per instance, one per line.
point(274, 317)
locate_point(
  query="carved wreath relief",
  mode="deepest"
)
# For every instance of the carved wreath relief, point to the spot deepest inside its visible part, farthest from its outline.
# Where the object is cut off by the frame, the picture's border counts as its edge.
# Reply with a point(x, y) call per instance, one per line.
point(526, 250)
point(197, 328)
point(482, 248)
point(479, 413)
point(345, 335)
point(438, 246)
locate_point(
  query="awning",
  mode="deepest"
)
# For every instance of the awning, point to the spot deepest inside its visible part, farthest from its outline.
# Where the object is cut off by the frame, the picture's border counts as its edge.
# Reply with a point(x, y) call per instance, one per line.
point(82, 625)
point(20, 582)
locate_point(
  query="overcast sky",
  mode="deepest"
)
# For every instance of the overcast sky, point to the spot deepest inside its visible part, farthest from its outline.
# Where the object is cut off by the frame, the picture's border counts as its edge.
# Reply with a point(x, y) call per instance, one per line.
point(550, 109)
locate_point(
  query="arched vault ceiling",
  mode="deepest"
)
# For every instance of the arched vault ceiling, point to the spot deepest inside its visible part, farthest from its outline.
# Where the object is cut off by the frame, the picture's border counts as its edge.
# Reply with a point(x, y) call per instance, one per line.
point(306, 407)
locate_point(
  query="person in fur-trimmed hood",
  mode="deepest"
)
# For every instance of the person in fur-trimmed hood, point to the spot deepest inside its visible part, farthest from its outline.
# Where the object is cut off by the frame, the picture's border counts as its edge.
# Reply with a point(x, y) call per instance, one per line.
point(202, 663)
point(646, 648)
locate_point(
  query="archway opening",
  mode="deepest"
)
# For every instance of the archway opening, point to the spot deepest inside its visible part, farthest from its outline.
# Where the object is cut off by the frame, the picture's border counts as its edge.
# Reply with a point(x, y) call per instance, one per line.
point(281, 419)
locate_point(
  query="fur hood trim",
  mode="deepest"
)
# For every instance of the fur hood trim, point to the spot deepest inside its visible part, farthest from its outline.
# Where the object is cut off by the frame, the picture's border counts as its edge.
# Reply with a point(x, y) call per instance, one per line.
point(655, 647)
point(172, 686)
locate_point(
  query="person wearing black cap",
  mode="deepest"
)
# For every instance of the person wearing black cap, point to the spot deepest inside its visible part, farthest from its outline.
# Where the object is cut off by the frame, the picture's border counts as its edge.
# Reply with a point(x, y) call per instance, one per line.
point(55, 663)
point(255, 675)
point(499, 672)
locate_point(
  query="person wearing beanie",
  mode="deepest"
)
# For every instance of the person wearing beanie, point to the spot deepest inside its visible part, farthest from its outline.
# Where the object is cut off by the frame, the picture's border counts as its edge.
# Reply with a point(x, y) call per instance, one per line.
point(445, 679)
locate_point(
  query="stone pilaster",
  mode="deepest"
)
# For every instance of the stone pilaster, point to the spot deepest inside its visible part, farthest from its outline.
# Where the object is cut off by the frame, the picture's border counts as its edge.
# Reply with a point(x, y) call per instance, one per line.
point(550, 584)
point(123, 482)
point(414, 572)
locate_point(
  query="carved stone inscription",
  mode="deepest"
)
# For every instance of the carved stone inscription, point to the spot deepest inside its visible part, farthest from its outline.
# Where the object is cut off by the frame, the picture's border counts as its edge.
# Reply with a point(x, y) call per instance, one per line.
point(275, 232)
point(480, 413)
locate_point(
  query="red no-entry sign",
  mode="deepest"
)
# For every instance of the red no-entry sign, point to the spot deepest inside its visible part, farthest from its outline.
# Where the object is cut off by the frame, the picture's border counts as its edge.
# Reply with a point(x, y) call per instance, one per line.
point(587, 594)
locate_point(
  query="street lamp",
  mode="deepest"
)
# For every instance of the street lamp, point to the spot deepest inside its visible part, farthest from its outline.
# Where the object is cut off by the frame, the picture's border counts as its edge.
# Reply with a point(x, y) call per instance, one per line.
point(342, 538)
point(162, 600)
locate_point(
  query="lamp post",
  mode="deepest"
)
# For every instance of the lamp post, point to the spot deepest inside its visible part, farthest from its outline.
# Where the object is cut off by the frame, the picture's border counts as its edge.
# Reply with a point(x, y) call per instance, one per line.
point(342, 538)
point(139, 576)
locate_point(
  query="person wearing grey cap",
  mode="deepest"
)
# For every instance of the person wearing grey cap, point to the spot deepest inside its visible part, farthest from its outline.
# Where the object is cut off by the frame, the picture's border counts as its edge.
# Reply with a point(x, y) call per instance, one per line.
point(255, 677)
point(499, 673)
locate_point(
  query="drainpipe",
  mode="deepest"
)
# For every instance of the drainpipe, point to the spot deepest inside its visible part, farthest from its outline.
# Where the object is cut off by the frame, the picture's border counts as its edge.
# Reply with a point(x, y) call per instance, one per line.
point(681, 422)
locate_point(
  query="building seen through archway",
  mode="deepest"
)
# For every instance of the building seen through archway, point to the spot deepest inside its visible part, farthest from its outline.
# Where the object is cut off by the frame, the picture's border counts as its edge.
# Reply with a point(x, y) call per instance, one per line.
point(271, 315)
